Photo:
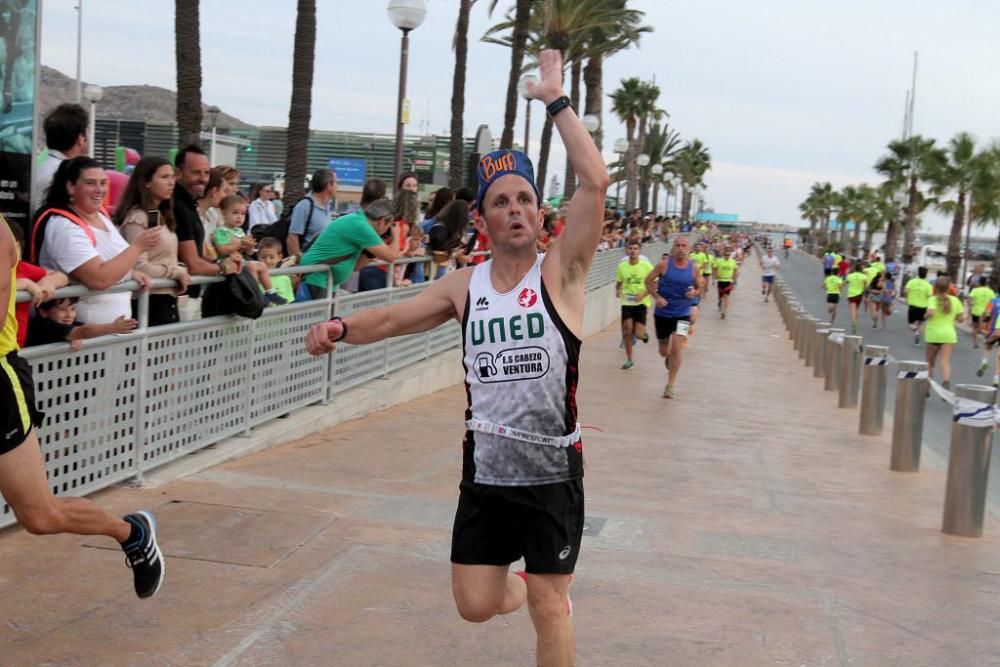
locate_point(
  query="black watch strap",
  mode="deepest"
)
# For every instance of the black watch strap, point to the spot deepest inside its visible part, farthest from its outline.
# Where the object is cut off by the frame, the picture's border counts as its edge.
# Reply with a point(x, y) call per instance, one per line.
point(343, 330)
point(558, 105)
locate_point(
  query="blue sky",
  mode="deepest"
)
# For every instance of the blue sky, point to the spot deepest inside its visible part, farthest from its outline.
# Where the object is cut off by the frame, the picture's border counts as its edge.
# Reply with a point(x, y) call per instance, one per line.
point(783, 92)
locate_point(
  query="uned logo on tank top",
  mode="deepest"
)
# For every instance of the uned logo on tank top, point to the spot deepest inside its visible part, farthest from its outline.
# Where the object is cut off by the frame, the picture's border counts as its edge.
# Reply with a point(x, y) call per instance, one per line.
point(527, 298)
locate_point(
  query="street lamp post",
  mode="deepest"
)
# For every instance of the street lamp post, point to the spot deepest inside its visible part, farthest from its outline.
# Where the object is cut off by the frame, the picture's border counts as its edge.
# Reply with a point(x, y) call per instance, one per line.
point(213, 117)
point(621, 145)
point(522, 89)
point(656, 170)
point(642, 160)
point(405, 15)
point(93, 94)
point(677, 195)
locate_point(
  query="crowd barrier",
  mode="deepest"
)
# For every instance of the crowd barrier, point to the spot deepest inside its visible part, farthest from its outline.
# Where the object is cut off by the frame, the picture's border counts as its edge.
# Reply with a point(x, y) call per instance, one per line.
point(126, 404)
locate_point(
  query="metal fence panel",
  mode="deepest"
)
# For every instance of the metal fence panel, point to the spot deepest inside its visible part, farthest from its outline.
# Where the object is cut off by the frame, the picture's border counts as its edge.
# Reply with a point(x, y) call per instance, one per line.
point(127, 404)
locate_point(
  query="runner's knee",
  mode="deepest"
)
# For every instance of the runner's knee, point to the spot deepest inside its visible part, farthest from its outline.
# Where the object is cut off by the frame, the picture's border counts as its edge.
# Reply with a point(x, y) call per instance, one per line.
point(478, 609)
point(44, 519)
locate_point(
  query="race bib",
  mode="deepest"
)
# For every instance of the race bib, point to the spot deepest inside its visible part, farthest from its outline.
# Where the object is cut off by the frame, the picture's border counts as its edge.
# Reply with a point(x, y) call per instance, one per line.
point(683, 327)
point(631, 298)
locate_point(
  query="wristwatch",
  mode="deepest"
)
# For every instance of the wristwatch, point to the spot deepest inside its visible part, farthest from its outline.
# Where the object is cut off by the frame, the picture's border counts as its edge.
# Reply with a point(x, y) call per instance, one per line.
point(343, 328)
point(557, 105)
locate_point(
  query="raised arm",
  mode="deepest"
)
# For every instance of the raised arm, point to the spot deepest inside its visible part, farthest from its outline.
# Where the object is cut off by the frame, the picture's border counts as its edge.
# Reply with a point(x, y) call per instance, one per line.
point(575, 248)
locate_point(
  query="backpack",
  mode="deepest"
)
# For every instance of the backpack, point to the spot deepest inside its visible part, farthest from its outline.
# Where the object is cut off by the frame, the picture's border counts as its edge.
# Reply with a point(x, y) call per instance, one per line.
point(238, 294)
point(37, 236)
point(280, 229)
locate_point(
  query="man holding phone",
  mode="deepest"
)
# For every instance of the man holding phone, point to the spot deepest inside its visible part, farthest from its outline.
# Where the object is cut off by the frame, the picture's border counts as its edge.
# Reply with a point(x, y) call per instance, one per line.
point(674, 283)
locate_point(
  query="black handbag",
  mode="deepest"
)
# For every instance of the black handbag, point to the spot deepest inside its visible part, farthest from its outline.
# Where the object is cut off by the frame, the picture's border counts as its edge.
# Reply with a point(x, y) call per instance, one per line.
point(238, 294)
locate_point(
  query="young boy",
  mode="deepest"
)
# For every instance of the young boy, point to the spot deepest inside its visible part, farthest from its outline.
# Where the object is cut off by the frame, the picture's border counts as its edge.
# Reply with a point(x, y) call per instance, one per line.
point(270, 253)
point(230, 239)
point(55, 322)
point(832, 284)
point(39, 282)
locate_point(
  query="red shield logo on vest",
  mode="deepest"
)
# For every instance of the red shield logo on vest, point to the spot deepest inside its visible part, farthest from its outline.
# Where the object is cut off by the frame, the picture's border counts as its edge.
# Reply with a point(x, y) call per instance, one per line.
point(527, 298)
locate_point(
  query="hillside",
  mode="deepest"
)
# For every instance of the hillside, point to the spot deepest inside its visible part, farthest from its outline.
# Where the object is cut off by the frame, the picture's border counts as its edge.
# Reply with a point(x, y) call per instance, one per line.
point(150, 103)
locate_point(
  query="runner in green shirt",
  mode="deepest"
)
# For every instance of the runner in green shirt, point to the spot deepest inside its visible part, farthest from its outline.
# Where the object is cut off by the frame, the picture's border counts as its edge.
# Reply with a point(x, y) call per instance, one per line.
point(917, 293)
point(943, 312)
point(726, 273)
point(832, 284)
point(630, 287)
point(857, 281)
point(978, 298)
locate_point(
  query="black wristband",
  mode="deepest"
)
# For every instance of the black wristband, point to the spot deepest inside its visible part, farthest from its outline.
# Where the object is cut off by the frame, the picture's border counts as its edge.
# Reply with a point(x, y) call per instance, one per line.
point(558, 105)
point(343, 331)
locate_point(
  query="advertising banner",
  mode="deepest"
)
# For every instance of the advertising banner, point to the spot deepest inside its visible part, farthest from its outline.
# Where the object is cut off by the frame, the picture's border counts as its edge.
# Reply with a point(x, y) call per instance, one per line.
point(18, 73)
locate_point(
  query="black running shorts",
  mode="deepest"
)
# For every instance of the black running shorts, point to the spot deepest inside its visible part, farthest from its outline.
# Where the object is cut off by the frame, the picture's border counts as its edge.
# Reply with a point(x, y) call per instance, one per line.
point(915, 314)
point(17, 402)
point(497, 525)
point(635, 313)
point(725, 287)
point(666, 326)
point(833, 298)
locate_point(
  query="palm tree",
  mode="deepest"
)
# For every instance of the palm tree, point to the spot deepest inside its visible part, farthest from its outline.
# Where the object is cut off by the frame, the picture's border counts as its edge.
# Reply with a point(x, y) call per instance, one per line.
point(662, 143)
point(955, 175)
point(822, 195)
point(518, 41)
point(985, 200)
point(918, 157)
point(810, 211)
point(300, 108)
point(626, 103)
point(456, 145)
point(618, 34)
point(187, 45)
point(892, 189)
point(690, 163)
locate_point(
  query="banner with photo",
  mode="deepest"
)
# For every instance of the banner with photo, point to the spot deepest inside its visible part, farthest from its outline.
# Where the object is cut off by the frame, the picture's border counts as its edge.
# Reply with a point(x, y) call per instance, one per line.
point(18, 74)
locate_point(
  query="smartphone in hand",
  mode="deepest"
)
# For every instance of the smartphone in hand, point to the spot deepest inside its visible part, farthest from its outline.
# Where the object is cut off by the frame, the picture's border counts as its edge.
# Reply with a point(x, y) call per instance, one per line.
point(153, 218)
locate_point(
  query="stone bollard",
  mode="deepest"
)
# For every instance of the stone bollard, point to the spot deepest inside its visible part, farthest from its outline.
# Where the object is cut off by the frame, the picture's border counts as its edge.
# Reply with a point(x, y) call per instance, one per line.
point(807, 327)
point(819, 351)
point(876, 366)
point(969, 463)
point(831, 361)
point(812, 348)
point(908, 416)
point(850, 371)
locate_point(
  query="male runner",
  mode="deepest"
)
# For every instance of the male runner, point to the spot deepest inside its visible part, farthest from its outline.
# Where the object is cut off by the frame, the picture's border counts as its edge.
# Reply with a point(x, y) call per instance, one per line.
point(522, 316)
point(918, 293)
point(857, 283)
point(769, 265)
point(979, 297)
point(630, 287)
point(726, 272)
point(22, 471)
point(674, 284)
point(832, 285)
point(991, 338)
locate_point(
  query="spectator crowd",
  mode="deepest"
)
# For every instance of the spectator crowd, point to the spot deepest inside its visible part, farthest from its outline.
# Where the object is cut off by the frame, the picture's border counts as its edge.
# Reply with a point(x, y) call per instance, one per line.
point(181, 219)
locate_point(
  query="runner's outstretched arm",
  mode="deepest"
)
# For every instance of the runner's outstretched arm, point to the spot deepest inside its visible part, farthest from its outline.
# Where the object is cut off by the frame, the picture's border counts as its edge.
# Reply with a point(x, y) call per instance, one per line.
point(430, 308)
point(575, 248)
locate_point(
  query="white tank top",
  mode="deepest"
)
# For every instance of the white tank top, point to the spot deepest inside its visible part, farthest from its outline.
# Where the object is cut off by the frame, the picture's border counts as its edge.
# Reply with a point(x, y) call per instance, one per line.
point(521, 364)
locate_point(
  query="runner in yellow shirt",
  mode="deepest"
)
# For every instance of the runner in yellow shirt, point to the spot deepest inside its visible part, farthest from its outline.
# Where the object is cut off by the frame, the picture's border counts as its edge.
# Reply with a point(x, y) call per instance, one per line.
point(832, 284)
point(943, 311)
point(918, 293)
point(726, 272)
point(857, 282)
point(979, 297)
point(630, 287)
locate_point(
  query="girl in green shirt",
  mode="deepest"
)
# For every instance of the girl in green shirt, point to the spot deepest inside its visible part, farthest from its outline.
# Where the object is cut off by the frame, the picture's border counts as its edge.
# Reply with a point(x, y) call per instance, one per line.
point(943, 311)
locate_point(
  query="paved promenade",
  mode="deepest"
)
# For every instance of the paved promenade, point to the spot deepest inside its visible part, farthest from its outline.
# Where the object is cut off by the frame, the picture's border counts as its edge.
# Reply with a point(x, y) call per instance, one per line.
point(743, 523)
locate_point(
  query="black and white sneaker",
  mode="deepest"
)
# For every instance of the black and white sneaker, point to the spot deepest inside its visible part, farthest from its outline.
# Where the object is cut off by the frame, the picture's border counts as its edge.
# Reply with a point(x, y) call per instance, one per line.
point(143, 555)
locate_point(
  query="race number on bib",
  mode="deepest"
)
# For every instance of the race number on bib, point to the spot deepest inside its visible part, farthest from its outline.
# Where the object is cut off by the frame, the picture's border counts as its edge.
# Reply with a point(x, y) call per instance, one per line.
point(683, 327)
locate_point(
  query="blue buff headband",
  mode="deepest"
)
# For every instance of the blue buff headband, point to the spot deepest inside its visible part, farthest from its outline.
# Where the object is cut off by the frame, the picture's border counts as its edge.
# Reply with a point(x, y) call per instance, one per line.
point(500, 163)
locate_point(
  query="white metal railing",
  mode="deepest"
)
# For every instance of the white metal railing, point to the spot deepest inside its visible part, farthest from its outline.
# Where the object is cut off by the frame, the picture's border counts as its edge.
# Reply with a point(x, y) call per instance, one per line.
point(125, 404)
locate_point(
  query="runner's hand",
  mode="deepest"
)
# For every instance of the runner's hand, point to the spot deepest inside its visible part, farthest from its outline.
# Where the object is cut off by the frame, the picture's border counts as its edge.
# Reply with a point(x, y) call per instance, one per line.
point(550, 87)
point(661, 302)
point(320, 338)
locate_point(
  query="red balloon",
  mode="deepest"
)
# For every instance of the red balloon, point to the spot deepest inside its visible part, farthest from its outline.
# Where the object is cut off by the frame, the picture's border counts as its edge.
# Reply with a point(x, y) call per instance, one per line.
point(132, 156)
point(116, 187)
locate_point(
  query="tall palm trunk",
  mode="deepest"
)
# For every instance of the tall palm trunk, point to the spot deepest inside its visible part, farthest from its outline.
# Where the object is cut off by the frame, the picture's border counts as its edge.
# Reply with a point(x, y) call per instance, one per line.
point(856, 237)
point(574, 98)
point(187, 44)
point(891, 239)
point(995, 270)
point(543, 157)
point(303, 58)
point(631, 168)
point(456, 145)
point(656, 196)
point(869, 235)
point(519, 39)
point(910, 229)
point(644, 185)
point(686, 205)
point(632, 197)
point(593, 79)
point(954, 257)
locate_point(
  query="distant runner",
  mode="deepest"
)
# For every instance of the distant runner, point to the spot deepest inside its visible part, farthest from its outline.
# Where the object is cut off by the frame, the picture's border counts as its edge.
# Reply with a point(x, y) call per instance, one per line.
point(726, 273)
point(769, 265)
point(630, 287)
point(832, 285)
point(918, 294)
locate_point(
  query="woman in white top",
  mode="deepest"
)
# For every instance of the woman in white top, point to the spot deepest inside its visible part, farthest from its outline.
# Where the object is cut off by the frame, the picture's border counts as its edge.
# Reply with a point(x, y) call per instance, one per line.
point(72, 234)
point(261, 210)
